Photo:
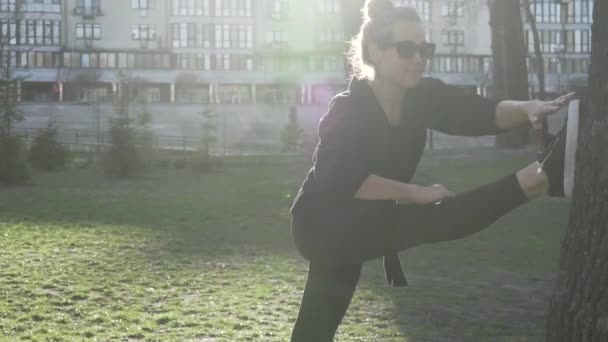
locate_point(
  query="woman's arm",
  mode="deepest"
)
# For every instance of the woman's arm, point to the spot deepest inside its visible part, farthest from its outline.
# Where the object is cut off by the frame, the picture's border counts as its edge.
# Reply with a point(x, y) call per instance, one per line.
point(379, 188)
point(512, 114)
point(452, 110)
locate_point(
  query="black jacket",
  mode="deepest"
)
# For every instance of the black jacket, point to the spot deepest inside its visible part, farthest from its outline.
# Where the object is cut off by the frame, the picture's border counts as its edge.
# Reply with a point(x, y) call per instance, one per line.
point(356, 140)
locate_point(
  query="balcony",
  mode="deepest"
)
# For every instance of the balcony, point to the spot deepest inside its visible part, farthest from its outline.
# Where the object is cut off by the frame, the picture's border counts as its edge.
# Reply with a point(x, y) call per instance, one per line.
point(87, 12)
point(41, 7)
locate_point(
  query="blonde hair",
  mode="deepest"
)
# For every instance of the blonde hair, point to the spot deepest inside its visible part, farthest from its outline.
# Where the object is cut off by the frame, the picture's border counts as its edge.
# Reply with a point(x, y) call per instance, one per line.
point(378, 19)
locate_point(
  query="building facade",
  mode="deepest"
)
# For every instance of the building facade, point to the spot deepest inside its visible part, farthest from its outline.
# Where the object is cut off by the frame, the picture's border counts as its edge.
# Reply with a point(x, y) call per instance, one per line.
point(249, 58)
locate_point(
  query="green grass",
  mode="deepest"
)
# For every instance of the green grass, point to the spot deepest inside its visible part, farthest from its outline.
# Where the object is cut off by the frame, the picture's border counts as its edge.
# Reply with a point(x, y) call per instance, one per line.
point(181, 256)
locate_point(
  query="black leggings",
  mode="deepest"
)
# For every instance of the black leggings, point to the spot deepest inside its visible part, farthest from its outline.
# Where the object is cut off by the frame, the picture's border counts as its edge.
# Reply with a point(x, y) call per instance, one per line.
point(334, 272)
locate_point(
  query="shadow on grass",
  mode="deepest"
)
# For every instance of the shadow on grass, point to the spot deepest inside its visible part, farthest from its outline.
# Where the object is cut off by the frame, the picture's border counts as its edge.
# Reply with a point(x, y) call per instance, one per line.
point(493, 286)
point(177, 223)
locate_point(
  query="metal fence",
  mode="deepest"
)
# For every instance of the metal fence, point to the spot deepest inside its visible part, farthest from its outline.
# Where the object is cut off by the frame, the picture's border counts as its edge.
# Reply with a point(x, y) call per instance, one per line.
point(89, 141)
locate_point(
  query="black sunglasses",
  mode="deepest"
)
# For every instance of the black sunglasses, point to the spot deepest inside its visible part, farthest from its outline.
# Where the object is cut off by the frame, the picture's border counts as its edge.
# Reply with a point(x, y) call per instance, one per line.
point(408, 48)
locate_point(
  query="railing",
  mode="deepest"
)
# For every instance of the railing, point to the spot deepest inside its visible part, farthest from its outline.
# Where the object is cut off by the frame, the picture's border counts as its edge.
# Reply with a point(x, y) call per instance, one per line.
point(88, 141)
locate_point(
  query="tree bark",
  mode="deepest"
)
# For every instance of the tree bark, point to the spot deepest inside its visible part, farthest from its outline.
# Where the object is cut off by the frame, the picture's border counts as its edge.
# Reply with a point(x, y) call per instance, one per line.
point(579, 304)
point(540, 63)
point(537, 52)
point(510, 74)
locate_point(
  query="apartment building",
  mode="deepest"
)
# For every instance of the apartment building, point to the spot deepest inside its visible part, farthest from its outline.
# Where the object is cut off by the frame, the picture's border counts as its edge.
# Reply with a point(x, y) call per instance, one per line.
point(461, 30)
point(249, 58)
point(564, 29)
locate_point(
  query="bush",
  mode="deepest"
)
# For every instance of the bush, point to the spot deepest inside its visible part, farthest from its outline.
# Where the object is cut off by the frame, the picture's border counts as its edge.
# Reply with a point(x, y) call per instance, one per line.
point(14, 168)
point(123, 159)
point(292, 133)
point(146, 140)
point(180, 163)
point(46, 153)
point(206, 164)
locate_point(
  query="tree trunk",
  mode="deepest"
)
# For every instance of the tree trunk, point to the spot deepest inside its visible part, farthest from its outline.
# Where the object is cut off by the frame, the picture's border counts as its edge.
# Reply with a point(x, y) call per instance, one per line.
point(537, 52)
point(540, 63)
point(510, 73)
point(579, 305)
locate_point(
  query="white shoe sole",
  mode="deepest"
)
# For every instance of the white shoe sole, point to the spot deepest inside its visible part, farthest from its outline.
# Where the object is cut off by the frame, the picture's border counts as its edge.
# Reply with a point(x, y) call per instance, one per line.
point(571, 146)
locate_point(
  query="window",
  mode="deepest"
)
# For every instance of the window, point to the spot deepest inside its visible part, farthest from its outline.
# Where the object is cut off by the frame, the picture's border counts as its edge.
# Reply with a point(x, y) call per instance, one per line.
point(189, 94)
point(277, 38)
point(330, 36)
point(233, 8)
point(48, 32)
point(194, 61)
point(35, 59)
point(453, 38)
point(191, 35)
point(40, 32)
point(279, 9)
point(191, 7)
point(577, 66)
point(546, 11)
point(142, 5)
point(234, 93)
point(241, 62)
point(423, 7)
point(581, 41)
point(455, 64)
point(7, 5)
point(275, 94)
point(8, 32)
point(330, 63)
point(143, 32)
point(88, 6)
point(139, 4)
point(23, 60)
point(580, 11)
point(329, 6)
point(550, 41)
point(56, 32)
point(234, 36)
point(452, 8)
point(39, 6)
point(88, 31)
point(203, 35)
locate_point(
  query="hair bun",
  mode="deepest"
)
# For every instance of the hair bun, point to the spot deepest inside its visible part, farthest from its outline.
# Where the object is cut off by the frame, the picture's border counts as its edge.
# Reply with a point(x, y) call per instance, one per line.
point(378, 9)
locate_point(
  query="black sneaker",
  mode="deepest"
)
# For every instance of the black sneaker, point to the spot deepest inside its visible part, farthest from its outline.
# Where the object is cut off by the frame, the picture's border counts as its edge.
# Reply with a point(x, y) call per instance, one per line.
point(557, 156)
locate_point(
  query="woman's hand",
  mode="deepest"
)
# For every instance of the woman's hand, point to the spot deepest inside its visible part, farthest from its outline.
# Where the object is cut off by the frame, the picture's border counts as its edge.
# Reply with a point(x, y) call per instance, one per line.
point(538, 110)
point(429, 194)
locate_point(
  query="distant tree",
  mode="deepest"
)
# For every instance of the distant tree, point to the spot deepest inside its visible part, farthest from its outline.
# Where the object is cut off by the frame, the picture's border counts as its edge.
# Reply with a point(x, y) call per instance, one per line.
point(292, 132)
point(13, 158)
point(46, 153)
point(10, 79)
point(540, 64)
point(510, 72)
point(123, 159)
point(209, 132)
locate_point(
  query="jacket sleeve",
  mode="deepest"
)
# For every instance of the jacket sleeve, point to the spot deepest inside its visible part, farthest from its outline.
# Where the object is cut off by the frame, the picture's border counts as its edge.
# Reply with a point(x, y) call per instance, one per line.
point(453, 110)
point(341, 159)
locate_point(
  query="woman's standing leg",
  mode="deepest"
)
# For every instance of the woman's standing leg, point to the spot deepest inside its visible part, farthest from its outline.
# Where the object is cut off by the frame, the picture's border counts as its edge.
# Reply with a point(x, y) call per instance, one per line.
point(327, 295)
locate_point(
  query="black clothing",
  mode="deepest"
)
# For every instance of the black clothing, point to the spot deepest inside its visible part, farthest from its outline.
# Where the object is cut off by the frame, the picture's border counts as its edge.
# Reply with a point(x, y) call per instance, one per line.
point(356, 140)
point(330, 287)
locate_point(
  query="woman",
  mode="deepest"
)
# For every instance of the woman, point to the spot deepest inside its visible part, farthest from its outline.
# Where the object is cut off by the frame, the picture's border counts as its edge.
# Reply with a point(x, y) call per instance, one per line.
point(356, 203)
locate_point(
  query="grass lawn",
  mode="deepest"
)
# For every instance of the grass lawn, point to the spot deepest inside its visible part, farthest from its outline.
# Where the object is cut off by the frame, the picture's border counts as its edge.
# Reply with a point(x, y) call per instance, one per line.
point(181, 256)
